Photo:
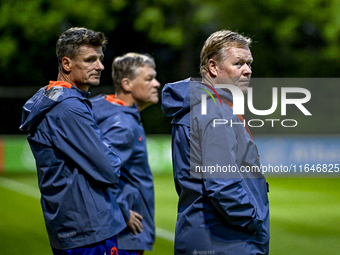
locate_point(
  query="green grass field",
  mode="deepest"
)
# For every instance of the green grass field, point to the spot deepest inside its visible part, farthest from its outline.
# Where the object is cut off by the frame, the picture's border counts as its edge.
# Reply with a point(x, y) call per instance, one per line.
point(305, 216)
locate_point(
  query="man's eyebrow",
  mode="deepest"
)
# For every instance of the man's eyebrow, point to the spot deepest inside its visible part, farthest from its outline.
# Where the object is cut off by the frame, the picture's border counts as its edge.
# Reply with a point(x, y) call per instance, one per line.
point(243, 59)
point(154, 73)
point(95, 56)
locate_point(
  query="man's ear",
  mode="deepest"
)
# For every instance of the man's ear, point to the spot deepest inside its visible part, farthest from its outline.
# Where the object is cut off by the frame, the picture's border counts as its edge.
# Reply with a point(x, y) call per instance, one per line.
point(212, 65)
point(126, 84)
point(66, 63)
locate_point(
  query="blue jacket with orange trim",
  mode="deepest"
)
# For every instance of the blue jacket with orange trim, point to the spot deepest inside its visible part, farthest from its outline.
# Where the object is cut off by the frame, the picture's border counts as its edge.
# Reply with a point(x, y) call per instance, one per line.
point(222, 208)
point(75, 167)
point(121, 128)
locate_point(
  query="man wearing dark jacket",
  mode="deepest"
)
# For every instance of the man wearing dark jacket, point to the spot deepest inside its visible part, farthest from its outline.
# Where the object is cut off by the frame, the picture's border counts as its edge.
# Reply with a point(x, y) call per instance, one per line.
point(222, 208)
point(75, 167)
point(118, 117)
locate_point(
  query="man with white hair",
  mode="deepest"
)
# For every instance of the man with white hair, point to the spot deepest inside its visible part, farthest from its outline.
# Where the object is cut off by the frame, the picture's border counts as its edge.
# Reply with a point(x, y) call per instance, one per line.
point(118, 117)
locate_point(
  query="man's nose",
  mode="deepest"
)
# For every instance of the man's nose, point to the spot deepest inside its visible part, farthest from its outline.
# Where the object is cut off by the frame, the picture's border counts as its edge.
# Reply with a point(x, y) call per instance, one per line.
point(99, 65)
point(246, 70)
point(157, 84)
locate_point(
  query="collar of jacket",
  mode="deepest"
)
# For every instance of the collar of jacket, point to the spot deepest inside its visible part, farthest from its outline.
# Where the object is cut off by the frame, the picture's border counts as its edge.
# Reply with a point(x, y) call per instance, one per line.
point(67, 85)
point(133, 110)
point(112, 99)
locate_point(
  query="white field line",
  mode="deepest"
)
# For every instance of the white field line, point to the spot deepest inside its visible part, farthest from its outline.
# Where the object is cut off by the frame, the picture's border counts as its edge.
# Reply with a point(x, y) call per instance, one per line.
point(21, 188)
point(165, 234)
point(27, 190)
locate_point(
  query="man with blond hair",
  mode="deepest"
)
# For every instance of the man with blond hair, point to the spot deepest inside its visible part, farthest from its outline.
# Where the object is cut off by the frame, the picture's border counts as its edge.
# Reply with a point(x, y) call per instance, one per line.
point(118, 117)
point(221, 209)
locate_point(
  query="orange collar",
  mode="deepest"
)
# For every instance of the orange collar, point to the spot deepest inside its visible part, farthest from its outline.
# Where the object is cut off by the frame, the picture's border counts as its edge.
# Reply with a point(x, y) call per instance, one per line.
point(59, 84)
point(114, 100)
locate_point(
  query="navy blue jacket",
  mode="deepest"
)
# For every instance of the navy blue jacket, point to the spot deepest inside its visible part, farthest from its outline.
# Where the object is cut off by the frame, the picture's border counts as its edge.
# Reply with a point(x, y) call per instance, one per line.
point(226, 212)
point(120, 127)
point(75, 168)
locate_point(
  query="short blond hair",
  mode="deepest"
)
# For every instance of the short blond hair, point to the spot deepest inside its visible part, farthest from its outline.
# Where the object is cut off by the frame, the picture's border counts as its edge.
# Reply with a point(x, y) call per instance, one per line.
point(216, 46)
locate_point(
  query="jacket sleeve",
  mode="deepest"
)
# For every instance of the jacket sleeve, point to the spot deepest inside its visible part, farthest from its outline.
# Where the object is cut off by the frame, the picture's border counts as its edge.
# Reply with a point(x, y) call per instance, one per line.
point(76, 134)
point(120, 138)
point(221, 147)
point(123, 204)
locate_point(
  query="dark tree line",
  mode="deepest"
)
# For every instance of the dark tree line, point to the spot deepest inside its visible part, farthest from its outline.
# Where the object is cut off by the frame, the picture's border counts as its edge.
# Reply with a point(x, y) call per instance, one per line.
point(294, 38)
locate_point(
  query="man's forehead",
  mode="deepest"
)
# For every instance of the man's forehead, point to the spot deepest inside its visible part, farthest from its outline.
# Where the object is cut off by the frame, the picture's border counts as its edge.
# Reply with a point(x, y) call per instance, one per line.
point(90, 50)
point(146, 69)
point(239, 52)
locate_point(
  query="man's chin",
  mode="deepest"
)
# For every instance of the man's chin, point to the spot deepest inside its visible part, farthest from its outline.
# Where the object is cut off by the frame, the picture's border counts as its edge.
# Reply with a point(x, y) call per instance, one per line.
point(153, 100)
point(244, 88)
point(94, 83)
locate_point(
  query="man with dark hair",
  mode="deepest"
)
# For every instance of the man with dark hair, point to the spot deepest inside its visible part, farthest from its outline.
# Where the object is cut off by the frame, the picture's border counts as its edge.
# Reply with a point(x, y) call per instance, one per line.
point(118, 117)
point(75, 167)
point(222, 209)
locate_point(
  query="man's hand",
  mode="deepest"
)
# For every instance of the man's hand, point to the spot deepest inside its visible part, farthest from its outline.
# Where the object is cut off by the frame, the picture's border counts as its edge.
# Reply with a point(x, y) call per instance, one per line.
point(135, 222)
